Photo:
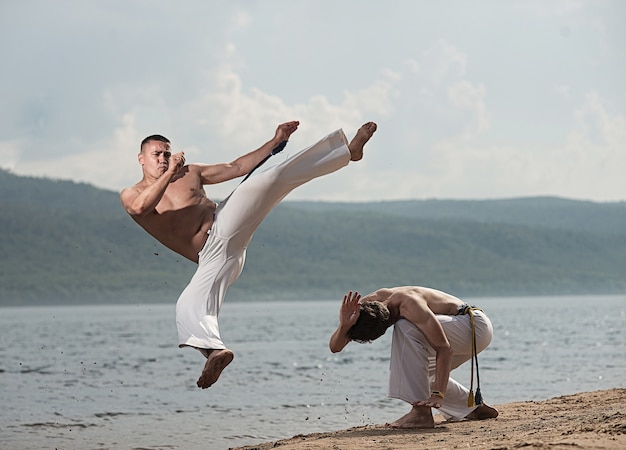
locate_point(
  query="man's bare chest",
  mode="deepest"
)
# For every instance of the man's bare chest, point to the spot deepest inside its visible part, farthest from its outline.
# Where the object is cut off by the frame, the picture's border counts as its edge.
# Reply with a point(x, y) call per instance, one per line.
point(181, 195)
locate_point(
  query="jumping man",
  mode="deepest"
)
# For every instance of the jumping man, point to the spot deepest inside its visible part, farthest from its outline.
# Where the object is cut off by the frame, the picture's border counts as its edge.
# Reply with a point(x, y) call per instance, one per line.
point(170, 203)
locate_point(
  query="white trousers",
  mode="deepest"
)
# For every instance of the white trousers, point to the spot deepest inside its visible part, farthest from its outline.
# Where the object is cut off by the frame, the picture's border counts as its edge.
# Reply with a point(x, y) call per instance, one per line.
point(412, 366)
point(222, 258)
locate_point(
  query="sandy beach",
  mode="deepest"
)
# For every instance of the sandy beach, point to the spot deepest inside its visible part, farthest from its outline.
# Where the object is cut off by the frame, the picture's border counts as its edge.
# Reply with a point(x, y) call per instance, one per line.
point(589, 420)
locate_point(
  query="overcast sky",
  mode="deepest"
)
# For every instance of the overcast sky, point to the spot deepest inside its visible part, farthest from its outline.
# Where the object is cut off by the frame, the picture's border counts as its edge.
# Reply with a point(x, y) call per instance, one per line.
point(474, 99)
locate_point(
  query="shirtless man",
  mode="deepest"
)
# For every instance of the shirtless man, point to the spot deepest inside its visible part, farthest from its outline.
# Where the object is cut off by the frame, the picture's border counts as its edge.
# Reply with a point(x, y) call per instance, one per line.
point(432, 335)
point(170, 203)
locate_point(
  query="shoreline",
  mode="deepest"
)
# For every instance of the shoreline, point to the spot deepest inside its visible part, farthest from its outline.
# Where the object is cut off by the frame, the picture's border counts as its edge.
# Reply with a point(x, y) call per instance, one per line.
point(587, 420)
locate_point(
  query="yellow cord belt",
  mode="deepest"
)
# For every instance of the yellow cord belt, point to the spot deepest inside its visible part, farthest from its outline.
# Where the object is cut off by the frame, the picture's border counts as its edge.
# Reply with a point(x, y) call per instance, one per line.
point(471, 399)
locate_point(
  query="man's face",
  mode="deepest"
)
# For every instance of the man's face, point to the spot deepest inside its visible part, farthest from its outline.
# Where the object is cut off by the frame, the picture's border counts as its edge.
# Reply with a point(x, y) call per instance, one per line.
point(155, 158)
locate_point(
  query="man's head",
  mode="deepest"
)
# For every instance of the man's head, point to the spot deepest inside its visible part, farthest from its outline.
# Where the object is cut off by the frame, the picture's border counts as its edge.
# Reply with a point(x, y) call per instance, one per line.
point(154, 137)
point(154, 154)
point(374, 319)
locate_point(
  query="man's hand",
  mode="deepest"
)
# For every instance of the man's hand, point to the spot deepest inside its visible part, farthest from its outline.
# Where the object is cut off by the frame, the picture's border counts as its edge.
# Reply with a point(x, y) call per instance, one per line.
point(348, 315)
point(434, 402)
point(285, 130)
point(350, 310)
point(176, 162)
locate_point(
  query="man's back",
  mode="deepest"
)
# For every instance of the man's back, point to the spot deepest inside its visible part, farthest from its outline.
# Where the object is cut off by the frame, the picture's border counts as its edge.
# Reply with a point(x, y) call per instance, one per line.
point(437, 301)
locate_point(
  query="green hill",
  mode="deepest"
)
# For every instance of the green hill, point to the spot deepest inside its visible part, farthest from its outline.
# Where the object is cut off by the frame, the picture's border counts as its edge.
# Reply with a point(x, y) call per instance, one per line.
point(64, 242)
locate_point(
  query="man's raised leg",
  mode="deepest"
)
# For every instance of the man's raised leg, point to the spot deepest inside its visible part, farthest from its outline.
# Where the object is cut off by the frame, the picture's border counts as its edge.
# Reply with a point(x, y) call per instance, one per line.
point(243, 211)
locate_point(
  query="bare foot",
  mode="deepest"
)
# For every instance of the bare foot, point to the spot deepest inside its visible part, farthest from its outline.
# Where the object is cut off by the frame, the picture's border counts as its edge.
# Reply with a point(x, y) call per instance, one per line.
point(360, 139)
point(216, 362)
point(483, 412)
point(418, 417)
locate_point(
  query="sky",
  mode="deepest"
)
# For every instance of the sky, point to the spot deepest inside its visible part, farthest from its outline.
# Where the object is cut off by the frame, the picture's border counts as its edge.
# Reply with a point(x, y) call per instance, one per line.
point(473, 100)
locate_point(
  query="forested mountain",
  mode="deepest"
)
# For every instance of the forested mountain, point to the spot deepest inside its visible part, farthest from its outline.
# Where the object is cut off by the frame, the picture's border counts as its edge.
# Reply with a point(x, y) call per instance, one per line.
point(64, 242)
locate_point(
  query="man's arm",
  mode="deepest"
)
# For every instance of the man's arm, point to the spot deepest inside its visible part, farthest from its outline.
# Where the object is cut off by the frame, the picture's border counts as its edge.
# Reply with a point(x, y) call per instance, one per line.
point(348, 315)
point(417, 311)
point(143, 202)
point(217, 173)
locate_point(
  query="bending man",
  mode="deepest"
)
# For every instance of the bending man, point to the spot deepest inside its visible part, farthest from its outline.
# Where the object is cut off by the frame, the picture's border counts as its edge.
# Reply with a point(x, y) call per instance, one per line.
point(432, 335)
point(170, 203)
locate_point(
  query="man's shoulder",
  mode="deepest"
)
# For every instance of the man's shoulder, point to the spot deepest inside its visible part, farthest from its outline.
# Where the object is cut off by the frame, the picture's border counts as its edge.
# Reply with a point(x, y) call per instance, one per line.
point(137, 188)
point(128, 194)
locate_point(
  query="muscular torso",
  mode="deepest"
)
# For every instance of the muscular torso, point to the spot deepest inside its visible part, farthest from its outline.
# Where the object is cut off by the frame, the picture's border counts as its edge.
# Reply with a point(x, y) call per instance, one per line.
point(183, 216)
point(437, 301)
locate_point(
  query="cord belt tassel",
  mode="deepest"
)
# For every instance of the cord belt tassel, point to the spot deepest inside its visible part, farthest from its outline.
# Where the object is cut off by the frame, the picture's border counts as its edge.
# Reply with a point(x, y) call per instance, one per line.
point(478, 398)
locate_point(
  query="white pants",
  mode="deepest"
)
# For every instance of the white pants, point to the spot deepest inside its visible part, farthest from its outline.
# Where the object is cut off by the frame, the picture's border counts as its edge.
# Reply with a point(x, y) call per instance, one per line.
point(222, 258)
point(412, 366)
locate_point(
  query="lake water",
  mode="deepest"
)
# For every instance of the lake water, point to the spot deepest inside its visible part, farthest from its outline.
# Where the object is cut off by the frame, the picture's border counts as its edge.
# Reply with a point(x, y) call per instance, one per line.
point(112, 377)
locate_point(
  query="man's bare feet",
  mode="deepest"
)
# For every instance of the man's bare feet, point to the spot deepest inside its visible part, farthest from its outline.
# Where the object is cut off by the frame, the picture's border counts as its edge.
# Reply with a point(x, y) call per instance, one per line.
point(483, 412)
point(216, 362)
point(418, 417)
point(360, 139)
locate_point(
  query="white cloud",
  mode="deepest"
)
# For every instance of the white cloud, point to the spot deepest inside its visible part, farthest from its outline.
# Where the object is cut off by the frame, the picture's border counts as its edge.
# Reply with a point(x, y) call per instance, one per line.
point(443, 61)
point(241, 20)
point(564, 91)
point(464, 95)
point(589, 164)
point(9, 154)
point(460, 113)
point(109, 164)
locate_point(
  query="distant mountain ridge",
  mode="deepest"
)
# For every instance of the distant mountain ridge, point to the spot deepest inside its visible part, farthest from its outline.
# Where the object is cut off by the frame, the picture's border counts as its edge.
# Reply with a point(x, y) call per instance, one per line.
point(67, 242)
point(549, 212)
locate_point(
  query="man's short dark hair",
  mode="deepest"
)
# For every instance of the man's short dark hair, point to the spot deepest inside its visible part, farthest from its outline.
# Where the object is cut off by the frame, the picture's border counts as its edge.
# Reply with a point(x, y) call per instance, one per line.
point(374, 319)
point(154, 137)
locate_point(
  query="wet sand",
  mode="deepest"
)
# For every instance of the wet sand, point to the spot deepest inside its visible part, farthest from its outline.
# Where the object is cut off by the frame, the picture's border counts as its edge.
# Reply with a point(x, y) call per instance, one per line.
point(589, 420)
